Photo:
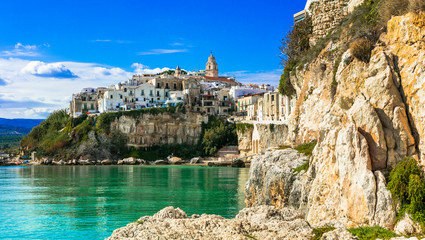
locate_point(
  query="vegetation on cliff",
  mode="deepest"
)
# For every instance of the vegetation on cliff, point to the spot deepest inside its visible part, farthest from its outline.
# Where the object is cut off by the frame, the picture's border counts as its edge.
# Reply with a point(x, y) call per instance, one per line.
point(90, 137)
point(359, 32)
point(370, 233)
point(407, 185)
point(241, 127)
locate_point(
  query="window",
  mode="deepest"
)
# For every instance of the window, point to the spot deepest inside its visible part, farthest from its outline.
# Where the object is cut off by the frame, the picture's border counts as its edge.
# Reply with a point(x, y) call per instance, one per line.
point(131, 92)
point(157, 94)
point(85, 106)
point(166, 85)
point(272, 98)
point(175, 85)
point(157, 85)
point(151, 93)
point(112, 96)
point(125, 89)
point(120, 96)
point(91, 106)
point(143, 92)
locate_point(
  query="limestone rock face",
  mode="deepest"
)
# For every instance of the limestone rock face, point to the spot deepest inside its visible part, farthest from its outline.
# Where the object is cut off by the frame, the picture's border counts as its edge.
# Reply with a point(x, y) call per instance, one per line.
point(273, 181)
point(245, 141)
point(263, 222)
point(149, 130)
point(367, 121)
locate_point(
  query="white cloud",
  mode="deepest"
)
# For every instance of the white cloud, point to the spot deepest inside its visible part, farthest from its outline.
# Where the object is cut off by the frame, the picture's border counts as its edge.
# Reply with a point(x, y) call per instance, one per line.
point(27, 95)
point(102, 40)
point(162, 51)
point(177, 44)
point(21, 50)
point(267, 77)
point(53, 70)
point(143, 69)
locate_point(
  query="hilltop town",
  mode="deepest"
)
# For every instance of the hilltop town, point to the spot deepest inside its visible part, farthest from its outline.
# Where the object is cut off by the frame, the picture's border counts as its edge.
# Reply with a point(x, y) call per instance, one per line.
point(201, 92)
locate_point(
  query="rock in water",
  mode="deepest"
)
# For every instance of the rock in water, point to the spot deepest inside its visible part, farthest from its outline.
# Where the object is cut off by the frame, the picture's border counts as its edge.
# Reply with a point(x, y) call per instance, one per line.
point(263, 222)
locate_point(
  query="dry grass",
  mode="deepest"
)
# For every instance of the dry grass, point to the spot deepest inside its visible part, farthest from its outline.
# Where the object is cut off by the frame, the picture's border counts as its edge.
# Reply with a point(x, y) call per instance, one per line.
point(390, 8)
point(416, 5)
point(361, 49)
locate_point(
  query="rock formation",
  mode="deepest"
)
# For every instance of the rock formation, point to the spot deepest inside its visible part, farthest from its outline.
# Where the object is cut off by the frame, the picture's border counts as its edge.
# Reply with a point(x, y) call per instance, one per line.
point(365, 117)
point(150, 130)
point(373, 120)
point(265, 222)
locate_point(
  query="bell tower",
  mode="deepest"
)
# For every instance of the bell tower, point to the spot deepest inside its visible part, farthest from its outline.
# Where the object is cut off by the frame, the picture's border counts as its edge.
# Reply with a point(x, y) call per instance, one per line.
point(211, 69)
point(177, 72)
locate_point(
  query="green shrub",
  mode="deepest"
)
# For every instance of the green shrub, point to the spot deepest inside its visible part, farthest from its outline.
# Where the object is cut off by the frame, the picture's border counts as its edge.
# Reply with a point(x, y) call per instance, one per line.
point(285, 85)
point(241, 127)
point(369, 233)
point(318, 232)
point(407, 185)
point(302, 167)
point(307, 148)
point(297, 41)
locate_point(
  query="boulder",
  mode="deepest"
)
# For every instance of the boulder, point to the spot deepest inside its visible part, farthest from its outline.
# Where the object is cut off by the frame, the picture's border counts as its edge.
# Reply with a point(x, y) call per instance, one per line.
point(160, 162)
point(106, 162)
point(406, 226)
point(339, 233)
point(263, 222)
point(175, 160)
point(141, 161)
point(195, 160)
point(85, 162)
point(238, 163)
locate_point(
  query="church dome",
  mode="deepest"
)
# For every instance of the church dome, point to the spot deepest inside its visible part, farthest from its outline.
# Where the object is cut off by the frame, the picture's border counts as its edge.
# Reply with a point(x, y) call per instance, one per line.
point(211, 58)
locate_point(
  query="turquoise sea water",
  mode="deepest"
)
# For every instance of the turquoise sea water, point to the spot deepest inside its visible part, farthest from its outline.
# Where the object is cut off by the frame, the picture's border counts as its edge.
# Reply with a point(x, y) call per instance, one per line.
point(89, 202)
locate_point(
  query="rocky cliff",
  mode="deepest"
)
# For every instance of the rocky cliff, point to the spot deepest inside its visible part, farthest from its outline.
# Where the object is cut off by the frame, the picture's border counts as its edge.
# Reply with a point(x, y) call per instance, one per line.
point(365, 117)
point(271, 135)
point(372, 121)
point(148, 130)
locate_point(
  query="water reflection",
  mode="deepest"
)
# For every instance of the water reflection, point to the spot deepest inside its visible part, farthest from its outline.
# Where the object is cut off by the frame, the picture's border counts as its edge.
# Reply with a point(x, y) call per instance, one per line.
point(88, 202)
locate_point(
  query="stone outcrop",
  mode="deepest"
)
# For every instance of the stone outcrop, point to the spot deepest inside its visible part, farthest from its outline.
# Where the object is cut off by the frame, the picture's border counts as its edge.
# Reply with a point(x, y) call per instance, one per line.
point(245, 141)
point(268, 136)
point(150, 130)
point(273, 181)
point(365, 117)
point(363, 127)
point(263, 222)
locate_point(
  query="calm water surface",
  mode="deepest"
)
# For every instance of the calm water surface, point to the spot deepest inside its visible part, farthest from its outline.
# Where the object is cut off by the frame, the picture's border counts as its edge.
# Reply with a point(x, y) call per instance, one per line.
point(89, 202)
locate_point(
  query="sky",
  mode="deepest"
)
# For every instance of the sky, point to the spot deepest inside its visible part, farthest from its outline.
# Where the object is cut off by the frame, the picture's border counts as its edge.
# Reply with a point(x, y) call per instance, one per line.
point(52, 49)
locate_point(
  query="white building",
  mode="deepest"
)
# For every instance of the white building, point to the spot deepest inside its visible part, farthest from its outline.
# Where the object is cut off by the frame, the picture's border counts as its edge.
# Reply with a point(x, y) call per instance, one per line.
point(237, 91)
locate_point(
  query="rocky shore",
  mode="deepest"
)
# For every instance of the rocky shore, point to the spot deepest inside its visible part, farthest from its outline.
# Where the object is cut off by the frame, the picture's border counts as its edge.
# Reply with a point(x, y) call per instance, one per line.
point(211, 162)
point(279, 204)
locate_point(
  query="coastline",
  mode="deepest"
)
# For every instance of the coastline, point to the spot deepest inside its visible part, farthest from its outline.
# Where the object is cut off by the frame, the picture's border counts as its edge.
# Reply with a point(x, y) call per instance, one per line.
point(207, 162)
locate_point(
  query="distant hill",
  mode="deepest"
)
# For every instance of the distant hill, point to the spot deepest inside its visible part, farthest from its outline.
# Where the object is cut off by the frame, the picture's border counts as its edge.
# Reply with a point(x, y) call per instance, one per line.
point(20, 123)
point(12, 130)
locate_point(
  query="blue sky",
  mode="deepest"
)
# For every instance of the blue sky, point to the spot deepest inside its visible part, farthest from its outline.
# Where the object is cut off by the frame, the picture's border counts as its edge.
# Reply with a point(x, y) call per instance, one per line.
point(51, 49)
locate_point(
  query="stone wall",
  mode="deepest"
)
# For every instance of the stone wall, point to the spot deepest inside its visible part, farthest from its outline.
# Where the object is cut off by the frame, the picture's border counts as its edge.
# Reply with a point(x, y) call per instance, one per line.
point(326, 14)
point(149, 130)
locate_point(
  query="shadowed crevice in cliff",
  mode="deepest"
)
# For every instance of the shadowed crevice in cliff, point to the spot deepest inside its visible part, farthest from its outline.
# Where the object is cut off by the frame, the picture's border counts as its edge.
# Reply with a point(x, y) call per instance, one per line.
point(373, 151)
point(413, 129)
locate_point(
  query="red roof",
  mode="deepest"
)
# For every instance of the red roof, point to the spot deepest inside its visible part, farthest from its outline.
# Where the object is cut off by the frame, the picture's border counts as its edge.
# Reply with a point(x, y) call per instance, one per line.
point(219, 79)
